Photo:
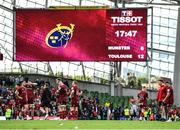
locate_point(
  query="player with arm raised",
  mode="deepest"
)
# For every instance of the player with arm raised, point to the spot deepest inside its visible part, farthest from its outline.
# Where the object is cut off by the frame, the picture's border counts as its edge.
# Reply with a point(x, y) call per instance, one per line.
point(74, 95)
point(62, 98)
point(30, 95)
point(29, 88)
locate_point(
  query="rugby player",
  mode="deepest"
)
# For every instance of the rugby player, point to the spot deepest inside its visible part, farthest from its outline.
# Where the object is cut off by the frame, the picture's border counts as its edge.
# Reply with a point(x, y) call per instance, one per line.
point(46, 100)
point(169, 99)
point(142, 101)
point(161, 98)
point(62, 98)
point(21, 99)
point(30, 96)
point(74, 95)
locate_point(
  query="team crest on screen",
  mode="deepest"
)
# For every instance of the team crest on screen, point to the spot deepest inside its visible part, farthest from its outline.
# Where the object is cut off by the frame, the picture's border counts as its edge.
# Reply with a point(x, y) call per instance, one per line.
point(60, 36)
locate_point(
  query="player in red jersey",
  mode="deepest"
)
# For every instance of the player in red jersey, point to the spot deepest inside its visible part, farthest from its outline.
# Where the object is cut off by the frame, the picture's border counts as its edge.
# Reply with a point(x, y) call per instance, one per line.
point(62, 98)
point(142, 100)
point(142, 97)
point(29, 89)
point(173, 114)
point(30, 95)
point(21, 95)
point(37, 105)
point(74, 95)
point(162, 93)
point(169, 99)
point(21, 98)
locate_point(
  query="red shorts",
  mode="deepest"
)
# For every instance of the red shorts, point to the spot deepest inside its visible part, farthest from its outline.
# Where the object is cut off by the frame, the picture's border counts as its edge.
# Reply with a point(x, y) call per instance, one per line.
point(22, 102)
point(74, 102)
point(30, 97)
point(170, 103)
point(143, 105)
point(170, 113)
point(37, 107)
point(16, 113)
point(62, 100)
point(30, 100)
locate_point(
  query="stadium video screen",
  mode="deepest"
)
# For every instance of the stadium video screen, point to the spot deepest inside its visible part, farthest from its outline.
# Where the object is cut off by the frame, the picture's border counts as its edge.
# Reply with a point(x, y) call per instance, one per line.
point(81, 35)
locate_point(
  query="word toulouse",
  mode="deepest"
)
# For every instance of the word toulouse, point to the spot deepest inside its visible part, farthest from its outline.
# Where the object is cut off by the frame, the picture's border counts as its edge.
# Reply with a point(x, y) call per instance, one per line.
point(120, 56)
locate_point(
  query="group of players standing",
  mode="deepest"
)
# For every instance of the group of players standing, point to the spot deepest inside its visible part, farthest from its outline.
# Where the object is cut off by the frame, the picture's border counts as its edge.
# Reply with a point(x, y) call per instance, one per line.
point(165, 100)
point(29, 101)
point(26, 99)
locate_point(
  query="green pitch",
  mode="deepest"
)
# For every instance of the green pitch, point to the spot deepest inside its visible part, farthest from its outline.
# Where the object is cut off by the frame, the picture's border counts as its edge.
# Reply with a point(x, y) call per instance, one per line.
point(88, 125)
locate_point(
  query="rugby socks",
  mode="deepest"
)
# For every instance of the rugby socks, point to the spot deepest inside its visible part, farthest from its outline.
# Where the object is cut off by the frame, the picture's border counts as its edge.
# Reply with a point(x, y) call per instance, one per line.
point(16, 114)
point(25, 114)
point(62, 114)
point(73, 115)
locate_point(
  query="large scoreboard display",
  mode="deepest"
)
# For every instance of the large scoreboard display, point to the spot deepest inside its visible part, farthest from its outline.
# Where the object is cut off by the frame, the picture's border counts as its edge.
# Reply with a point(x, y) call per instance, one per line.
point(81, 34)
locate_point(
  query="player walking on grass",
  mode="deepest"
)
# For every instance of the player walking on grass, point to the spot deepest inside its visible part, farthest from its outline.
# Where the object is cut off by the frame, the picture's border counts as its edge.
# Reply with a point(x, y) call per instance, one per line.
point(46, 100)
point(162, 99)
point(62, 98)
point(169, 99)
point(74, 95)
point(142, 100)
point(21, 99)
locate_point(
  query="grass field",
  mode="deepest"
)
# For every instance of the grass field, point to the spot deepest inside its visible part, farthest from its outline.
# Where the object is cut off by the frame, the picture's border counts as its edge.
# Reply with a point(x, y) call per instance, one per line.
point(88, 125)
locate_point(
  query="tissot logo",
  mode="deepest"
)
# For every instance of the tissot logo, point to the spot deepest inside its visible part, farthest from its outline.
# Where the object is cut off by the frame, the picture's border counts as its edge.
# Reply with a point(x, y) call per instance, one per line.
point(127, 13)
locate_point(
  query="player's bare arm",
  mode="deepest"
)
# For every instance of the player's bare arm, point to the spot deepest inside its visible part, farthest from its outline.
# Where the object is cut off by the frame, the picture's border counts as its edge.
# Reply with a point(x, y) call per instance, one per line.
point(80, 93)
point(167, 95)
point(72, 92)
point(17, 95)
